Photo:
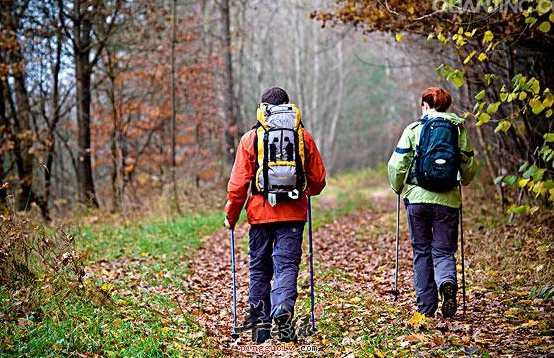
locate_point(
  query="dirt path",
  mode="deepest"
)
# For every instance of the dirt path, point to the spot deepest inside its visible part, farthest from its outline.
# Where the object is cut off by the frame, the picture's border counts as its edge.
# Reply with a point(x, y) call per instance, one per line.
point(354, 275)
point(354, 270)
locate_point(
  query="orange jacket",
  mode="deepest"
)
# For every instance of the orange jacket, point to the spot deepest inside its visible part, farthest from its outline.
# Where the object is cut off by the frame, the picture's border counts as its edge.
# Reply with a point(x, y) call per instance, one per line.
point(258, 210)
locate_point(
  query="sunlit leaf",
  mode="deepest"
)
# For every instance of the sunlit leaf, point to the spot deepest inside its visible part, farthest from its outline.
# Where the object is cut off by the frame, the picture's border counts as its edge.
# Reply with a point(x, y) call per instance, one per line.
point(534, 85)
point(493, 107)
point(531, 21)
point(503, 126)
point(514, 209)
point(522, 96)
point(488, 36)
point(468, 58)
point(458, 81)
point(545, 26)
point(544, 6)
point(536, 105)
point(548, 100)
point(483, 118)
point(522, 182)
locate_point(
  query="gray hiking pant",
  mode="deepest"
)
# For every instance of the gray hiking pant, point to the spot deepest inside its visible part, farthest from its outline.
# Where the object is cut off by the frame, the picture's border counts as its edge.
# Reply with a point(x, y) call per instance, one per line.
point(434, 239)
point(275, 252)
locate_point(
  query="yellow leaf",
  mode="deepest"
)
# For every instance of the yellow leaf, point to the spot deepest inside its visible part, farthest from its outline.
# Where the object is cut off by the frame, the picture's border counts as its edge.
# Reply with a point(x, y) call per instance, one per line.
point(523, 182)
point(545, 26)
point(482, 57)
point(417, 320)
point(355, 300)
point(398, 37)
point(379, 354)
point(468, 58)
point(544, 6)
point(488, 36)
point(530, 323)
point(535, 342)
point(144, 254)
point(522, 96)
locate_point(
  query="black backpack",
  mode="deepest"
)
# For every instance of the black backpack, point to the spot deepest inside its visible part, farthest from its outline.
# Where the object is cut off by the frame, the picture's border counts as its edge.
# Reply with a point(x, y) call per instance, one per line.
point(436, 162)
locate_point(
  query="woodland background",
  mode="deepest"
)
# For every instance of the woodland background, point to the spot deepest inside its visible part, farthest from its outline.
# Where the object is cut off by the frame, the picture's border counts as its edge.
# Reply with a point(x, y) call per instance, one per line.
point(119, 119)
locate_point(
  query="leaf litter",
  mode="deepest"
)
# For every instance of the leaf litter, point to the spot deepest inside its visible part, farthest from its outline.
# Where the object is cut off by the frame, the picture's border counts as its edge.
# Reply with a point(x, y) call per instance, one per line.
point(354, 275)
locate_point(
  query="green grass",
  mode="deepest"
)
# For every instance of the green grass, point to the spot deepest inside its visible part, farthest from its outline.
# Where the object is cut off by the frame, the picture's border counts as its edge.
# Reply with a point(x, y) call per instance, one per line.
point(135, 322)
point(155, 238)
point(115, 329)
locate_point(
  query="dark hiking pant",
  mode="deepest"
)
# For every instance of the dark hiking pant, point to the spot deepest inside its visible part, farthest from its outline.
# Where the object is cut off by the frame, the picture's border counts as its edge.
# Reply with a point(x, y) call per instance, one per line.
point(275, 252)
point(434, 239)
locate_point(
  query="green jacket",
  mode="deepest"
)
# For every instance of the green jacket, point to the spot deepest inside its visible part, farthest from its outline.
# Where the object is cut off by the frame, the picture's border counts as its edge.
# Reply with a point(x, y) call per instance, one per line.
point(401, 160)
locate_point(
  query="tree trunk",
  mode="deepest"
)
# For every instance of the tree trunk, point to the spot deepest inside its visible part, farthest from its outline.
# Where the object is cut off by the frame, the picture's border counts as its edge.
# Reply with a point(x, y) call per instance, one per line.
point(114, 135)
point(3, 139)
point(83, 73)
point(51, 140)
point(228, 88)
point(175, 199)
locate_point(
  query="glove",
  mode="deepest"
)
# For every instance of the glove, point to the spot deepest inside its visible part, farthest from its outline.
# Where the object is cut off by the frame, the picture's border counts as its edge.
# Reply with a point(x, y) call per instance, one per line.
point(227, 224)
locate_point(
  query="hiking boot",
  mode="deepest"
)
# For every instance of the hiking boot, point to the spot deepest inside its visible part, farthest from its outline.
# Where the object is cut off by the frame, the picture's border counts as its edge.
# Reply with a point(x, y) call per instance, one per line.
point(254, 319)
point(448, 294)
point(261, 332)
point(285, 329)
point(259, 336)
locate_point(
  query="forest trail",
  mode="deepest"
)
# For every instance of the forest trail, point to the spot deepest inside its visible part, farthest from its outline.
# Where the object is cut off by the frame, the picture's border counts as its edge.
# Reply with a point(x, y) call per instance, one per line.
point(354, 270)
point(354, 275)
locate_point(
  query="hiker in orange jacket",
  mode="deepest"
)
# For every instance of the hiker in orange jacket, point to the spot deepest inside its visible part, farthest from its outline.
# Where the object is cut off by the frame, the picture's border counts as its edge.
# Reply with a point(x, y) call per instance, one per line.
point(275, 236)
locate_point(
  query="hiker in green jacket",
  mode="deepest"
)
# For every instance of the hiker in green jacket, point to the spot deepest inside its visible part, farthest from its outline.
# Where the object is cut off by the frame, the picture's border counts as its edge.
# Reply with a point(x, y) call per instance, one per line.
point(428, 169)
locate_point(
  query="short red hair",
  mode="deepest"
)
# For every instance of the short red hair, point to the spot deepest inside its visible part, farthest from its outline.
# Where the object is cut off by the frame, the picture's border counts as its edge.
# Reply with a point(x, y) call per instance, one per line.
point(437, 98)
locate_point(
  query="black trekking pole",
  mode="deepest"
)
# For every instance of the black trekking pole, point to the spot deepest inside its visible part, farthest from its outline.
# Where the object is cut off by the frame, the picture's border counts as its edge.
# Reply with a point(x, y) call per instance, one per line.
point(235, 334)
point(395, 292)
point(462, 252)
point(312, 295)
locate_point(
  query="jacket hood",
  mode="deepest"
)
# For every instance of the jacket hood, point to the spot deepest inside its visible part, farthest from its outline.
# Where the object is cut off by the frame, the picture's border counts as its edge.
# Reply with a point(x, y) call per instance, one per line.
point(452, 117)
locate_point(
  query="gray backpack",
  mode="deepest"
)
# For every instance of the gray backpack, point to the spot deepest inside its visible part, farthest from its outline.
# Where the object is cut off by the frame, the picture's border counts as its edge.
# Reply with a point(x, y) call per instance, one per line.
point(280, 157)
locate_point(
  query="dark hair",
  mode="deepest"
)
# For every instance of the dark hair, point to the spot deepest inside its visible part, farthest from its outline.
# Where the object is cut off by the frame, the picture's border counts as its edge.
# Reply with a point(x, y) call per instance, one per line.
point(275, 95)
point(436, 98)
